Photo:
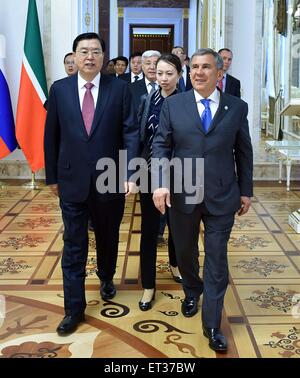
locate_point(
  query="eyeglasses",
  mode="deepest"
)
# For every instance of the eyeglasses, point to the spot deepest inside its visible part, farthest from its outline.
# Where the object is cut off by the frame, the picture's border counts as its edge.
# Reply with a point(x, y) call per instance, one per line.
point(95, 53)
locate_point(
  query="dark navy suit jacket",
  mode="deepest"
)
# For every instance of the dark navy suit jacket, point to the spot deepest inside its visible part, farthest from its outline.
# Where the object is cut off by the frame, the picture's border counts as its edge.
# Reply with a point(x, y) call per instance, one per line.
point(233, 86)
point(226, 149)
point(138, 90)
point(71, 154)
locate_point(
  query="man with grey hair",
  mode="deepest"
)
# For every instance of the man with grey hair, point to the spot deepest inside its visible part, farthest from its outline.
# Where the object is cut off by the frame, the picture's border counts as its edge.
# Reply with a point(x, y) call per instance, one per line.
point(206, 123)
point(148, 83)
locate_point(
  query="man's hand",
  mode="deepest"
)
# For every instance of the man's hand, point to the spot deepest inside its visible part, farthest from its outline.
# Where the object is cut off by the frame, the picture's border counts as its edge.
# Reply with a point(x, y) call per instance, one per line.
point(161, 198)
point(130, 188)
point(245, 205)
point(54, 189)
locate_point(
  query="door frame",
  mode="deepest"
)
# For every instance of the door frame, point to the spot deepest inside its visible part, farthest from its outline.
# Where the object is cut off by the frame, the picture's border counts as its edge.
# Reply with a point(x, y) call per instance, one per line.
point(150, 26)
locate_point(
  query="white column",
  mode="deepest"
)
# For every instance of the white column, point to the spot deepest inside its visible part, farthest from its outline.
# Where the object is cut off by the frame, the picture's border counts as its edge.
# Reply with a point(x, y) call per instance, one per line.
point(192, 27)
point(114, 29)
point(246, 47)
point(64, 28)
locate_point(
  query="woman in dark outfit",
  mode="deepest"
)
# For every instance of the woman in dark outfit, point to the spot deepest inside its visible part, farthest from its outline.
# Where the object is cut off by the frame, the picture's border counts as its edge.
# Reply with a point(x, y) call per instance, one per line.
point(168, 73)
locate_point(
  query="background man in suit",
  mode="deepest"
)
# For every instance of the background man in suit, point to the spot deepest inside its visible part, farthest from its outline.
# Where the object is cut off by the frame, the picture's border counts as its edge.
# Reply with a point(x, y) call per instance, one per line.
point(121, 65)
point(228, 83)
point(148, 84)
point(205, 123)
point(136, 73)
point(184, 83)
point(110, 67)
point(69, 63)
point(90, 116)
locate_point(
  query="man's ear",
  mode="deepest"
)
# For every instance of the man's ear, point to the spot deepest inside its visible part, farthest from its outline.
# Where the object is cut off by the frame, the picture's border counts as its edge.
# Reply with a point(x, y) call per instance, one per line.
point(220, 74)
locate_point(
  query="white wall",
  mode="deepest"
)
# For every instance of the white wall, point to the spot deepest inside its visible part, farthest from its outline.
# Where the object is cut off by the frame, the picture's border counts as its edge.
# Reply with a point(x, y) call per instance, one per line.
point(64, 27)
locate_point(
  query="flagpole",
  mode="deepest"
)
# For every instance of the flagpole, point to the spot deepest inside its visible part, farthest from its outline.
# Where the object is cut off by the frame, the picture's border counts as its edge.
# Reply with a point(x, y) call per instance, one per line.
point(32, 184)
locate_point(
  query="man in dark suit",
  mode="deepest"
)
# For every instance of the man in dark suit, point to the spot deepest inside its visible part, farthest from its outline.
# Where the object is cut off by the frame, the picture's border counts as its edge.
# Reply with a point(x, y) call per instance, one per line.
point(205, 123)
point(136, 72)
point(90, 117)
point(228, 83)
point(148, 84)
point(184, 83)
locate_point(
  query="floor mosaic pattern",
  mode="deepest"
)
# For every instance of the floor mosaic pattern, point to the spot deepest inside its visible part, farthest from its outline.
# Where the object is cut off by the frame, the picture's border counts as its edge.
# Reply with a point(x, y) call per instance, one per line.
point(262, 306)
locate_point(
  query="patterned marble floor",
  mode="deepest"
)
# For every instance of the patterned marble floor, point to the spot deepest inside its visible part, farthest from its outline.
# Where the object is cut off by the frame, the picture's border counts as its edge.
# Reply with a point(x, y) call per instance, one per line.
point(261, 317)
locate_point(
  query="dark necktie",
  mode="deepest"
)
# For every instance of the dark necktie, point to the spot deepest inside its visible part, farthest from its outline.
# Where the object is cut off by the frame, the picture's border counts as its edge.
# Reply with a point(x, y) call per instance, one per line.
point(153, 89)
point(88, 108)
point(136, 78)
point(206, 117)
point(181, 84)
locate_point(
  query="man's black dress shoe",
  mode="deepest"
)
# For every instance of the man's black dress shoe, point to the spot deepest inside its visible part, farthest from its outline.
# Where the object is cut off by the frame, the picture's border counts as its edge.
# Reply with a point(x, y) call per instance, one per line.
point(69, 324)
point(107, 290)
point(217, 341)
point(189, 306)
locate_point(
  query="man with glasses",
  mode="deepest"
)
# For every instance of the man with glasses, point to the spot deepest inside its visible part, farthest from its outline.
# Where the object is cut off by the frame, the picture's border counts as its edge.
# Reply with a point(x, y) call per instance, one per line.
point(90, 116)
point(148, 84)
point(184, 83)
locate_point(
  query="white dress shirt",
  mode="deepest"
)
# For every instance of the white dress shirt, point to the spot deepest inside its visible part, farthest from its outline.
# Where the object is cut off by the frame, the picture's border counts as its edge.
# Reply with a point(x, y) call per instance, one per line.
point(94, 90)
point(224, 81)
point(148, 85)
point(214, 103)
point(140, 76)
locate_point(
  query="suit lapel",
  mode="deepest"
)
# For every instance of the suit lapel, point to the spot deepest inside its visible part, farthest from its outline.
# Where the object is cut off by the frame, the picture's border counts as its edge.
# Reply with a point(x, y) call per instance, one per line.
point(191, 107)
point(103, 96)
point(223, 108)
point(74, 98)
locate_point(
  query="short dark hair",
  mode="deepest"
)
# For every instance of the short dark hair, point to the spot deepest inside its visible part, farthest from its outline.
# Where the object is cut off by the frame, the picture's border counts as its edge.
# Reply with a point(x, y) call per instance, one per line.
point(122, 58)
point(179, 47)
point(135, 54)
point(85, 36)
point(224, 49)
point(67, 56)
point(111, 60)
point(171, 59)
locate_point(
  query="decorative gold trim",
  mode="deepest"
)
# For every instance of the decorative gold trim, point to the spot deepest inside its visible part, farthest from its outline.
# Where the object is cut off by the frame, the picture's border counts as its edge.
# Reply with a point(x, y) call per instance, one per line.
point(186, 13)
point(87, 17)
point(150, 35)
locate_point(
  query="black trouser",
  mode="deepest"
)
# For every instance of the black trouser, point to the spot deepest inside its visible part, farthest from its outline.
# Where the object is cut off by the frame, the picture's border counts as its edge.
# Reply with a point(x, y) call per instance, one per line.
point(106, 217)
point(185, 231)
point(148, 248)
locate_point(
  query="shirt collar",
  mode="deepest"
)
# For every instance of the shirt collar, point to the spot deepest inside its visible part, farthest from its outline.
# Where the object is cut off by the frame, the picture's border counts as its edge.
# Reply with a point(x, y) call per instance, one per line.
point(214, 97)
point(147, 82)
point(82, 82)
point(139, 75)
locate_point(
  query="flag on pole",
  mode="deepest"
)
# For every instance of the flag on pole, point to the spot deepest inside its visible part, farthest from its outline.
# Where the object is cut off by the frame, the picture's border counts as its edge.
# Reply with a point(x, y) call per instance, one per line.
point(8, 141)
point(31, 114)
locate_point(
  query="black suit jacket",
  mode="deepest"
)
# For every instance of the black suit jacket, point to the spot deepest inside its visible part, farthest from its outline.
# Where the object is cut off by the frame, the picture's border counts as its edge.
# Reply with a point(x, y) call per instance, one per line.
point(126, 77)
point(71, 154)
point(138, 90)
point(233, 86)
point(226, 150)
point(188, 85)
